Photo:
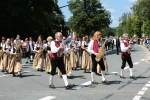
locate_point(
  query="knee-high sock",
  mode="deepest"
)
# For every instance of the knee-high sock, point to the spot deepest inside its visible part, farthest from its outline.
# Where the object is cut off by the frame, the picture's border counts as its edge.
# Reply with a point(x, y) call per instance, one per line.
point(92, 76)
point(51, 79)
point(65, 79)
point(103, 75)
point(131, 73)
point(27, 59)
point(31, 57)
point(121, 74)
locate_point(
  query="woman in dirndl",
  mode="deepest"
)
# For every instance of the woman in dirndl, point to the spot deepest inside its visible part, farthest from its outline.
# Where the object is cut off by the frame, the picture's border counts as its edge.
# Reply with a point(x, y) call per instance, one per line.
point(48, 61)
point(38, 62)
point(6, 55)
point(15, 65)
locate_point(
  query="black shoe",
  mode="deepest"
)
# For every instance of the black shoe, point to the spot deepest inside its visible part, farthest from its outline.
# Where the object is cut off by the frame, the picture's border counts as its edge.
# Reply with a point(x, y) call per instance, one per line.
point(14, 75)
point(41, 70)
point(20, 75)
point(52, 86)
point(48, 72)
point(60, 76)
point(69, 77)
point(132, 77)
point(26, 62)
point(3, 70)
point(38, 69)
point(94, 82)
point(122, 77)
point(105, 82)
point(69, 86)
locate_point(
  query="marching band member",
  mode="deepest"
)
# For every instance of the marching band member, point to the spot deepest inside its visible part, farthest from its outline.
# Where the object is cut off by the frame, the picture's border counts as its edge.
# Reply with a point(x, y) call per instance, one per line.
point(1, 58)
point(57, 51)
point(66, 60)
point(93, 49)
point(86, 57)
point(126, 56)
point(6, 56)
point(39, 57)
point(18, 40)
point(31, 48)
point(27, 50)
point(74, 55)
point(48, 62)
point(105, 62)
point(16, 60)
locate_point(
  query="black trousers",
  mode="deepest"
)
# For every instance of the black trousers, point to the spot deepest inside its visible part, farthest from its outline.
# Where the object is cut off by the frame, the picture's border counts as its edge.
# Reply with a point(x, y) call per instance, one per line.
point(57, 63)
point(128, 60)
point(94, 64)
point(117, 47)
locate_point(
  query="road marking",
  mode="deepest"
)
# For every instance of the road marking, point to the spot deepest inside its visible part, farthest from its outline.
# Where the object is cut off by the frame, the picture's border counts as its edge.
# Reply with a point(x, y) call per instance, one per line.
point(48, 98)
point(26, 71)
point(147, 85)
point(144, 88)
point(136, 63)
point(82, 85)
point(137, 98)
point(142, 59)
point(141, 92)
point(26, 64)
point(4, 75)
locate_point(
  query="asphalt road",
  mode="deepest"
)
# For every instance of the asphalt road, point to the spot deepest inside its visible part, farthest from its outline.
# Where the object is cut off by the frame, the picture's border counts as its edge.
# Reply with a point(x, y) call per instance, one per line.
point(34, 85)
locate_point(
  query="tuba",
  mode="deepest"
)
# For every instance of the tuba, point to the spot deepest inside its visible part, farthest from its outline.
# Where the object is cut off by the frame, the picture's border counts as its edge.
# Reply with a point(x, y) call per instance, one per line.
point(101, 52)
point(18, 55)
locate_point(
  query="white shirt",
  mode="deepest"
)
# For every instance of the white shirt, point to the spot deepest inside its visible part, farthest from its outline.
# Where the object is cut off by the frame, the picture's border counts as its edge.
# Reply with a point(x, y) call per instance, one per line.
point(8, 47)
point(84, 43)
point(12, 50)
point(31, 45)
point(38, 45)
point(90, 46)
point(55, 49)
point(123, 48)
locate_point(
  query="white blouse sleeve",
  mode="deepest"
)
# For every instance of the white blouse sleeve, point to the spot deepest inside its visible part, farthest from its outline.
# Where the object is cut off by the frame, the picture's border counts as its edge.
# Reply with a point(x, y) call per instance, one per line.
point(123, 48)
point(90, 47)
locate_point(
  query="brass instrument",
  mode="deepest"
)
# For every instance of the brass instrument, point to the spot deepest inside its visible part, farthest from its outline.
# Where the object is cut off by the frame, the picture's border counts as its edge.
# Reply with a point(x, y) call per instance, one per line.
point(1, 53)
point(101, 52)
point(131, 40)
point(18, 55)
point(40, 51)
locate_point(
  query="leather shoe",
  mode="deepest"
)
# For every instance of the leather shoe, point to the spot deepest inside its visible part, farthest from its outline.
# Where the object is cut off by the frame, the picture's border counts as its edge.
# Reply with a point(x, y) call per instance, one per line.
point(105, 82)
point(52, 86)
point(69, 86)
point(132, 77)
point(94, 82)
point(122, 77)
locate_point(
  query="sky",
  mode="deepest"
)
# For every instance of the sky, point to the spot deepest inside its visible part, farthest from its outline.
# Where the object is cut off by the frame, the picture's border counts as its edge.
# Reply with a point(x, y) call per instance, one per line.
point(116, 7)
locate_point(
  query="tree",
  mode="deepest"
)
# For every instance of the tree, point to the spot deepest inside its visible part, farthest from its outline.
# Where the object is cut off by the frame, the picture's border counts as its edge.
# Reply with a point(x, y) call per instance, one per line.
point(34, 17)
point(89, 20)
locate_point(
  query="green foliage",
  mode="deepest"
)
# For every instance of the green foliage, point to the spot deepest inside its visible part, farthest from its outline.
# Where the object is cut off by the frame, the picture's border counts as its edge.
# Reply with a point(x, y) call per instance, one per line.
point(87, 21)
point(138, 22)
point(30, 18)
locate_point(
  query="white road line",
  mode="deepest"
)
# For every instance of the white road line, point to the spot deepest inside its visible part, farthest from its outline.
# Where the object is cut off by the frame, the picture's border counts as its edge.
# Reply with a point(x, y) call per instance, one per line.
point(26, 71)
point(144, 88)
point(82, 85)
point(141, 92)
point(147, 85)
point(4, 75)
point(142, 59)
point(48, 98)
point(136, 63)
point(137, 98)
